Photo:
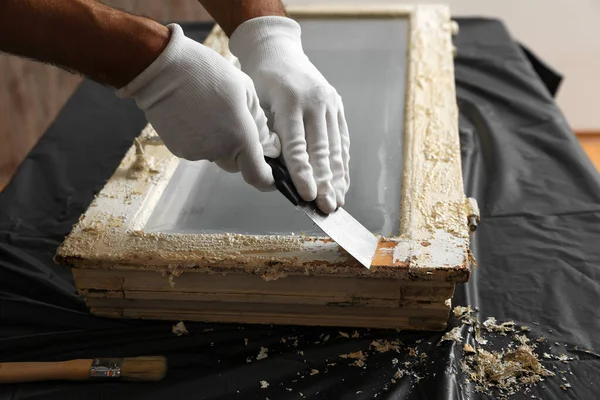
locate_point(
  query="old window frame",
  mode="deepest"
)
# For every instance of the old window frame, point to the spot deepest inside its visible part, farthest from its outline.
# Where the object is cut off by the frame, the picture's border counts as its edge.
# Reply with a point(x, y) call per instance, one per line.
point(433, 243)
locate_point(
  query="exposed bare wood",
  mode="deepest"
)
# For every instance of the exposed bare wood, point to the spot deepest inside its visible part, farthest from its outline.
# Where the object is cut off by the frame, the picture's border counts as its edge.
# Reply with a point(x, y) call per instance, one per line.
point(370, 321)
point(373, 317)
point(305, 285)
point(310, 290)
point(424, 311)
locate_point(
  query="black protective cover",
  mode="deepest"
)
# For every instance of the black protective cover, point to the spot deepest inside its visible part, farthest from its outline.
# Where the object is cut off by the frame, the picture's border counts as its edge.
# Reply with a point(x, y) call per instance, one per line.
point(536, 248)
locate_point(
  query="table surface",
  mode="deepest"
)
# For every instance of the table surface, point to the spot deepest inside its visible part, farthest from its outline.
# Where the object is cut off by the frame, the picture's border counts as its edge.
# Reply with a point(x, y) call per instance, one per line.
point(536, 249)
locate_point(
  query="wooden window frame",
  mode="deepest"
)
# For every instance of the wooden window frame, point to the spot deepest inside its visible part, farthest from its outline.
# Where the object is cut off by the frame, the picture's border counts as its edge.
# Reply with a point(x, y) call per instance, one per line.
point(433, 242)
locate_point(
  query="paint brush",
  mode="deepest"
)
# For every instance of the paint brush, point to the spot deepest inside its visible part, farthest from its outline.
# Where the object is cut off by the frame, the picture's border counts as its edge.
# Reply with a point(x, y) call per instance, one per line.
point(140, 369)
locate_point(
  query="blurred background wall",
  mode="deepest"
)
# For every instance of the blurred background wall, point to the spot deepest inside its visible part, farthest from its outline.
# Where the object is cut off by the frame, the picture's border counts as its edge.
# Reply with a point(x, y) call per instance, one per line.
point(564, 33)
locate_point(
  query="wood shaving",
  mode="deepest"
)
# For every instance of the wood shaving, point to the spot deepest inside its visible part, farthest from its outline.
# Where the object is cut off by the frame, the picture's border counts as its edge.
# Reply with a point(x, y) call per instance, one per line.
point(491, 326)
point(460, 311)
point(481, 340)
point(344, 334)
point(358, 363)
point(314, 371)
point(355, 334)
point(245, 341)
point(383, 346)
point(263, 353)
point(464, 314)
point(453, 335)
point(358, 356)
point(264, 384)
point(522, 339)
point(404, 372)
point(179, 329)
point(400, 373)
point(469, 349)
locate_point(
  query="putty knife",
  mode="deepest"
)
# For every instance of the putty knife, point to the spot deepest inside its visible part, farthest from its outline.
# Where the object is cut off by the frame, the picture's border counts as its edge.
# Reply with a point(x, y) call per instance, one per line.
point(340, 226)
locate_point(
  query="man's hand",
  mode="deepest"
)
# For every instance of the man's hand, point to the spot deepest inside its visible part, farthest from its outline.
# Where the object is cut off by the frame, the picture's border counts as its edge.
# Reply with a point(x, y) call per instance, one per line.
point(303, 108)
point(204, 108)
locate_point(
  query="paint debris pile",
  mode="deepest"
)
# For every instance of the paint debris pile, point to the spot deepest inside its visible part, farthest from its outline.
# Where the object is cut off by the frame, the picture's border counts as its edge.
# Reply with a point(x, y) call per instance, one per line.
point(507, 371)
point(515, 367)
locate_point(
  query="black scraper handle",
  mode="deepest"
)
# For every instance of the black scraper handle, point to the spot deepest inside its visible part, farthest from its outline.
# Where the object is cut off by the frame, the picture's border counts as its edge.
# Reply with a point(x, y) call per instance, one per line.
point(283, 180)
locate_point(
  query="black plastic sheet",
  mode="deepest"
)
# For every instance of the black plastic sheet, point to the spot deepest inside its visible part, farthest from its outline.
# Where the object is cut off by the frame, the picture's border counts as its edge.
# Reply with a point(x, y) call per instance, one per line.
point(536, 249)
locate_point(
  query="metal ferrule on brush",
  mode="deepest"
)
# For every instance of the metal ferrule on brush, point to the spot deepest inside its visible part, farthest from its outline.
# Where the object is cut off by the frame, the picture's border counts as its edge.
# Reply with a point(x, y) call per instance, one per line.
point(106, 368)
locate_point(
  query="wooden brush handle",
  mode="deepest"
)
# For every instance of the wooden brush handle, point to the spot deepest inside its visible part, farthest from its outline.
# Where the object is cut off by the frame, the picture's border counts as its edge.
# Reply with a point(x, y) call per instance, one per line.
point(76, 370)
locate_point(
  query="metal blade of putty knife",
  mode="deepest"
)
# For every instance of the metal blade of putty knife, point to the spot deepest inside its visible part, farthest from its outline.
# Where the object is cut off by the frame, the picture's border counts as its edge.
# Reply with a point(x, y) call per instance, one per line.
point(340, 226)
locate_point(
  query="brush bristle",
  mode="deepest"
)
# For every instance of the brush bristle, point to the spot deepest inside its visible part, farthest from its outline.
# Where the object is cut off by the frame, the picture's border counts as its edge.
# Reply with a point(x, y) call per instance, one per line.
point(144, 368)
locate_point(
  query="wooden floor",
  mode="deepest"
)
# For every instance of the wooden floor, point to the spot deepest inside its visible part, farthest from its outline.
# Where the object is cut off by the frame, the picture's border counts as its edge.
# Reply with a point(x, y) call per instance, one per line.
point(32, 94)
point(591, 144)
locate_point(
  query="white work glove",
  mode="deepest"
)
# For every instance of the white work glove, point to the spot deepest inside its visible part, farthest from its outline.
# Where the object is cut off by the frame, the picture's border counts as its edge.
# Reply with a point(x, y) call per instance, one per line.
point(304, 110)
point(204, 108)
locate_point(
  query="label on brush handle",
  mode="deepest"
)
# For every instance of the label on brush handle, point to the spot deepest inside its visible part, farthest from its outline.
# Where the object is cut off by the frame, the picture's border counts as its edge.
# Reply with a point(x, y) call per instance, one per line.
point(105, 368)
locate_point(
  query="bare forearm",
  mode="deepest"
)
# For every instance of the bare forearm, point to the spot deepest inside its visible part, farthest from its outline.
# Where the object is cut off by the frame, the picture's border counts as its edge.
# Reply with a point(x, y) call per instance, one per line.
point(83, 36)
point(229, 14)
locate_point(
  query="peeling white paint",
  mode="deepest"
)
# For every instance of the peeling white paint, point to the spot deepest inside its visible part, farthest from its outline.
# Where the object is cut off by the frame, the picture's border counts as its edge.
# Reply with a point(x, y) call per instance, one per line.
point(442, 250)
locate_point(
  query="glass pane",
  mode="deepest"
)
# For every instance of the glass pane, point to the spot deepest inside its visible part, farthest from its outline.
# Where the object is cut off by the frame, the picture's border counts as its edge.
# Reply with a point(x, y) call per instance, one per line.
point(365, 60)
